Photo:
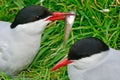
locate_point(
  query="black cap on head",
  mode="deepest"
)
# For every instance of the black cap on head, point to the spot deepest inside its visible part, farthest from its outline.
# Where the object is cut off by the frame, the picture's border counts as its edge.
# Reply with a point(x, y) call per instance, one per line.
point(86, 47)
point(30, 14)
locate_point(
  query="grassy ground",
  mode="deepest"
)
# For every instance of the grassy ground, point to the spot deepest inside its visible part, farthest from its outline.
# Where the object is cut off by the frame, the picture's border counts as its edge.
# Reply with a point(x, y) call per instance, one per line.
point(90, 21)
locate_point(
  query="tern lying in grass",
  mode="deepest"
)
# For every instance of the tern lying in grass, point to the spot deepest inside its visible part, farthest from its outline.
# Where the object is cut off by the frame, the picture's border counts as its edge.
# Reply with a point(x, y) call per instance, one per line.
point(20, 40)
point(91, 59)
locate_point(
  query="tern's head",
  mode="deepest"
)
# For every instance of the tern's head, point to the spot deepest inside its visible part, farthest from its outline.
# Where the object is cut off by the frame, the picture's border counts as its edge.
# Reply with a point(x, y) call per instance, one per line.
point(35, 17)
point(83, 50)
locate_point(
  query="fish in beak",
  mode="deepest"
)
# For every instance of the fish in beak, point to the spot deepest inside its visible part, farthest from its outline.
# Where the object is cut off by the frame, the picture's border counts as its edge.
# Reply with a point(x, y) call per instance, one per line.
point(69, 20)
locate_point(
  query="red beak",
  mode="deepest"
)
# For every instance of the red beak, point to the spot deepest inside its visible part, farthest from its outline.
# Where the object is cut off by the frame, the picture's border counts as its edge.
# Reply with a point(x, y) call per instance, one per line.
point(62, 63)
point(58, 16)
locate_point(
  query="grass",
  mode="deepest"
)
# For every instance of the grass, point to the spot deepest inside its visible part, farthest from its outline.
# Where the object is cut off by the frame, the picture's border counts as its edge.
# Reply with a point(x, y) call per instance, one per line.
point(90, 21)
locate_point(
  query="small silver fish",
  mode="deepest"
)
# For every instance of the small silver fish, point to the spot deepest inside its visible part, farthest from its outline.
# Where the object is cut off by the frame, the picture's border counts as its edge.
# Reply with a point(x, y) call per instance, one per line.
point(105, 10)
point(69, 20)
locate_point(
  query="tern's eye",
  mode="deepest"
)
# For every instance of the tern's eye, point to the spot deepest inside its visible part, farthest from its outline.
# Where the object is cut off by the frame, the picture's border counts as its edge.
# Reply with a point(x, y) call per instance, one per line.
point(37, 17)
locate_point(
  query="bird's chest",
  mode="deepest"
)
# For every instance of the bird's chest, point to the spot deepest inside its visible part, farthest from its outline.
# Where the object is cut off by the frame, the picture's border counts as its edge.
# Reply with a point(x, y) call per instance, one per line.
point(24, 52)
point(20, 53)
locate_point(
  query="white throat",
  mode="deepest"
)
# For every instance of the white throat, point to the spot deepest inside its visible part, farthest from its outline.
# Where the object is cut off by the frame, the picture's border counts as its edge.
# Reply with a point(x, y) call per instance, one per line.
point(35, 27)
point(89, 61)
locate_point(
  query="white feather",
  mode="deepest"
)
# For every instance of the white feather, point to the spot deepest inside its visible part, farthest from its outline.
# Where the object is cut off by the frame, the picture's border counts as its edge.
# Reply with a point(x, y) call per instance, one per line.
point(19, 46)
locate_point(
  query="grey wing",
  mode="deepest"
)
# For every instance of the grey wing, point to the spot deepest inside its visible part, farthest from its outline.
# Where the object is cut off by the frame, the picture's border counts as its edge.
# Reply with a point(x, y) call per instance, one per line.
point(4, 24)
point(3, 56)
point(109, 70)
point(103, 73)
point(4, 29)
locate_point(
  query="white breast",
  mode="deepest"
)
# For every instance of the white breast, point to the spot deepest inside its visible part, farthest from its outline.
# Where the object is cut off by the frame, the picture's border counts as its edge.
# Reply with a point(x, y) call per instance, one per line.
point(16, 51)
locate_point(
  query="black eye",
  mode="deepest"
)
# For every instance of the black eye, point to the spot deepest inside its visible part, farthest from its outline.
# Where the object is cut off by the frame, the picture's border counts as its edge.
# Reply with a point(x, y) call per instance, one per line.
point(37, 17)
